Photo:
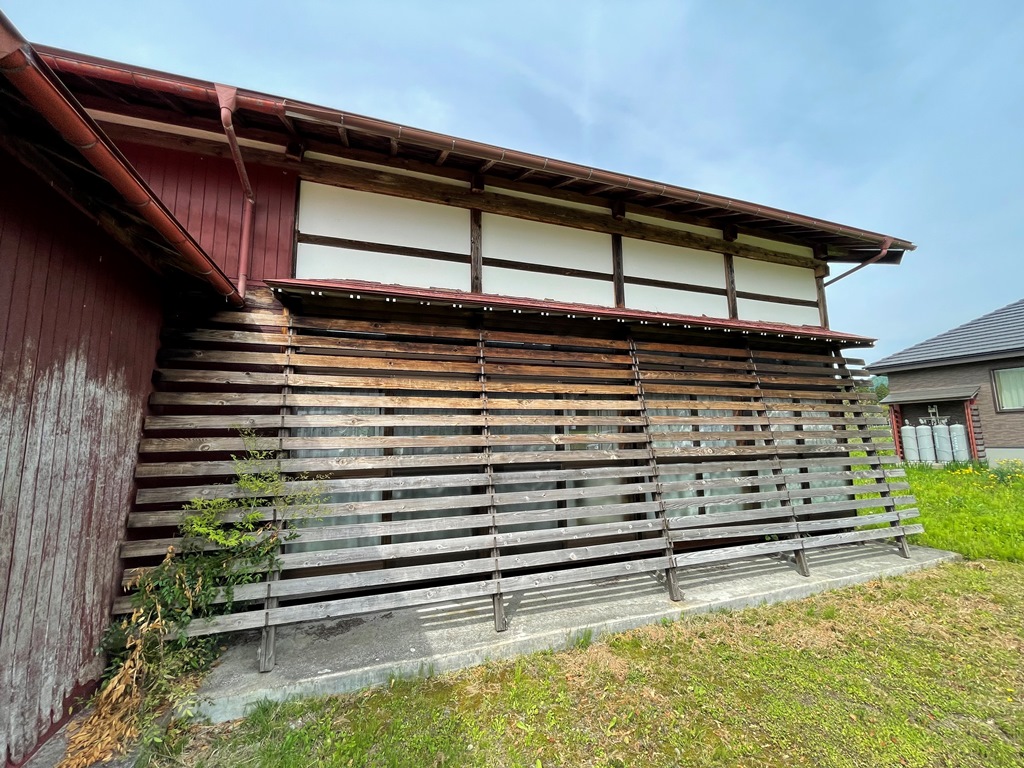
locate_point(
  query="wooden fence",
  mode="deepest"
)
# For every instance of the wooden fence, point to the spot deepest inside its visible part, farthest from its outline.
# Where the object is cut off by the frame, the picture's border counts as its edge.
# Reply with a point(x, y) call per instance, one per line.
point(465, 461)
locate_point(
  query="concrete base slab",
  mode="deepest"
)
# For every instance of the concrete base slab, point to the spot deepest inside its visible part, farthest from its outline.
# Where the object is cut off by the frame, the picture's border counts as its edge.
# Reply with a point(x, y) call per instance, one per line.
point(341, 655)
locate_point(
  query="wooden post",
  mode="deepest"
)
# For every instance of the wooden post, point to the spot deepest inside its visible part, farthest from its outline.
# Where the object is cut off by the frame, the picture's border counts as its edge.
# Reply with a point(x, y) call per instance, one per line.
point(497, 600)
point(267, 653)
point(476, 259)
point(819, 283)
point(618, 273)
point(671, 578)
point(730, 286)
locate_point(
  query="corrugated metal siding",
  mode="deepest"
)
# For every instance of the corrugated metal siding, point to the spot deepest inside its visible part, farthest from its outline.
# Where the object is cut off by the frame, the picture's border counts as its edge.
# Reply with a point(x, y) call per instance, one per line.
point(1000, 430)
point(205, 194)
point(81, 324)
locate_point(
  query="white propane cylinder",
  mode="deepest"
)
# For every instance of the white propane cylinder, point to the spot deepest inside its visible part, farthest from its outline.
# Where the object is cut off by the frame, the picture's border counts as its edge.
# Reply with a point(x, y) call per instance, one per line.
point(943, 447)
point(961, 447)
point(925, 443)
point(909, 439)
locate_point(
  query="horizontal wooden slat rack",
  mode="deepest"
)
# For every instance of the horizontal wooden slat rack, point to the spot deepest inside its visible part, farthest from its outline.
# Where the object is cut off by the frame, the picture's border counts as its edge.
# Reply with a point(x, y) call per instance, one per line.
point(463, 461)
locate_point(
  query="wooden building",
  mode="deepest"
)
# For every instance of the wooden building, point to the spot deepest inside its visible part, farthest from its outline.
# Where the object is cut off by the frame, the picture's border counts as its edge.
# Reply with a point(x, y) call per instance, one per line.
point(513, 372)
point(971, 375)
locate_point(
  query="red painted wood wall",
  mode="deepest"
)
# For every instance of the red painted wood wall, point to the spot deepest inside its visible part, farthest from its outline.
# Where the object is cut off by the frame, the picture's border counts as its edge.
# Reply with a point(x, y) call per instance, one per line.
point(79, 330)
point(205, 194)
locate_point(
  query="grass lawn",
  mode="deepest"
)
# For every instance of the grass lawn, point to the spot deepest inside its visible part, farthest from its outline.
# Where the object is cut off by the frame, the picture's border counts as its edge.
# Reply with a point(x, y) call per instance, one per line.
point(926, 670)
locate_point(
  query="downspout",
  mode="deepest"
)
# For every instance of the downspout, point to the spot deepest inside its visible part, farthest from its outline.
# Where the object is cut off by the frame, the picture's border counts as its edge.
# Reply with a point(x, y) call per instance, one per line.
point(228, 99)
point(877, 257)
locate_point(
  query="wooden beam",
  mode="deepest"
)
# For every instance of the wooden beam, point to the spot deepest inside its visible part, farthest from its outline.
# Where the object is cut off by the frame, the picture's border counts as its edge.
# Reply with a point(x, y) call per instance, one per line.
point(442, 156)
point(398, 250)
point(393, 147)
point(564, 182)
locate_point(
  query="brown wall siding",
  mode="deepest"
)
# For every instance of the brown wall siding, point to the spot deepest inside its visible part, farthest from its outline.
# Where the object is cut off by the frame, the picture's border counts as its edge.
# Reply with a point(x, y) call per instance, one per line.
point(205, 194)
point(80, 328)
point(1000, 430)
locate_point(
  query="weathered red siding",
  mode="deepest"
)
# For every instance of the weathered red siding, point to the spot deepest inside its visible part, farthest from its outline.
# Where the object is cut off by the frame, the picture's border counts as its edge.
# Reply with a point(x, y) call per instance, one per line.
point(205, 194)
point(80, 329)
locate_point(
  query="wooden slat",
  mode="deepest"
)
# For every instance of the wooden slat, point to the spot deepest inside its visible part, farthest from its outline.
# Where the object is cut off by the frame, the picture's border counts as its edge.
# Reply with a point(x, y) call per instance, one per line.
point(553, 468)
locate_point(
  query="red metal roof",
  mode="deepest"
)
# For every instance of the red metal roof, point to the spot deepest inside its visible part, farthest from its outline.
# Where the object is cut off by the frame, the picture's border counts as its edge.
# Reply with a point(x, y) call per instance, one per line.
point(464, 300)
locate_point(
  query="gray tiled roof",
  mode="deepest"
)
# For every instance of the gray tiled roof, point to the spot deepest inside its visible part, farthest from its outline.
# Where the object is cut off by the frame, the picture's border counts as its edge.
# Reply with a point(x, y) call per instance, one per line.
point(997, 334)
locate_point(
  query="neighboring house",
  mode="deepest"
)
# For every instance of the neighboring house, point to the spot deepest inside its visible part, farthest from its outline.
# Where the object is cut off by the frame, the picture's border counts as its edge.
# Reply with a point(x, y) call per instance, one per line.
point(513, 372)
point(971, 375)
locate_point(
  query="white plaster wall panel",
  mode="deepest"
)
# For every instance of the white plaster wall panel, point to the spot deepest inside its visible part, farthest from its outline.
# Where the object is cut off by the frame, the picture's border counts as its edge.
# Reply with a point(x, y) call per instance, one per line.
point(549, 200)
point(677, 225)
point(775, 279)
point(511, 239)
point(771, 312)
point(324, 158)
point(775, 245)
point(324, 262)
point(338, 212)
point(515, 282)
point(642, 258)
point(655, 299)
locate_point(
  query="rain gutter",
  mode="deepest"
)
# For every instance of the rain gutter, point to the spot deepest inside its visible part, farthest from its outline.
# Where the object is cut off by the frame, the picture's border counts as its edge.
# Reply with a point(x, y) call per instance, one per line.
point(21, 66)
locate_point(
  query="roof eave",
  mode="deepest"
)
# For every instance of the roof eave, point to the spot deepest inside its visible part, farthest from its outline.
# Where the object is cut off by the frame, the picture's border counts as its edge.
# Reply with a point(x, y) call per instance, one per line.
point(57, 105)
point(467, 300)
point(285, 110)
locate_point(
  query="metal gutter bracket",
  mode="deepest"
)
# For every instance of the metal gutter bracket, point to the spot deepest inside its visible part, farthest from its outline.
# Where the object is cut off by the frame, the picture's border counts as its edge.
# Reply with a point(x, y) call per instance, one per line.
point(877, 257)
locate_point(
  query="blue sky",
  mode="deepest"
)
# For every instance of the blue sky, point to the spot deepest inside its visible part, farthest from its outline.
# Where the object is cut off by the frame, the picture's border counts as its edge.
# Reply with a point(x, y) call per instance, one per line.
point(902, 117)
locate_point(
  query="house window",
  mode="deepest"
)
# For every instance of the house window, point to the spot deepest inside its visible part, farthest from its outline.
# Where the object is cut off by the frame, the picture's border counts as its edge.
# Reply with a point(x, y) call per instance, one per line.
point(1009, 386)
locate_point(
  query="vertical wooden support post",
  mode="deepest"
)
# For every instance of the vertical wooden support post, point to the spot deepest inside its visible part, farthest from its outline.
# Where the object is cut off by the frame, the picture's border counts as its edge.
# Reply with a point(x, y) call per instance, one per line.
point(730, 286)
point(820, 273)
point(476, 257)
point(497, 600)
point(618, 272)
point(267, 653)
point(822, 306)
point(671, 577)
point(781, 483)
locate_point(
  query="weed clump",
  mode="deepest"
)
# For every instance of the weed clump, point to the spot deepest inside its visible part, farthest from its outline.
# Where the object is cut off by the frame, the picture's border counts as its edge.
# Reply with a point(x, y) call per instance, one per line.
point(226, 542)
